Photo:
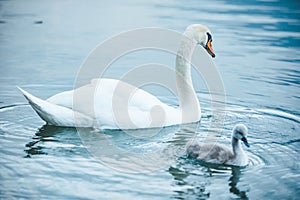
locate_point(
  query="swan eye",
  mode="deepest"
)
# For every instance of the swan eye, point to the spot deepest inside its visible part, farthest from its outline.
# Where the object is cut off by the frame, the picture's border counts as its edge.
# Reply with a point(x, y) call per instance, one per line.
point(208, 37)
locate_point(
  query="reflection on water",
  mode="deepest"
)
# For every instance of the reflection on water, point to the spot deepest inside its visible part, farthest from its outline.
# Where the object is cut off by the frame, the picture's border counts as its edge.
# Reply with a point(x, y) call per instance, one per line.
point(44, 134)
point(49, 139)
point(186, 189)
point(233, 181)
point(257, 44)
point(195, 183)
point(138, 151)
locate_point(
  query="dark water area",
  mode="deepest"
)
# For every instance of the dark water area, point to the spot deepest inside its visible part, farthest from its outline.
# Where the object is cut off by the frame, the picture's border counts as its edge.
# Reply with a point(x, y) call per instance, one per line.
point(43, 46)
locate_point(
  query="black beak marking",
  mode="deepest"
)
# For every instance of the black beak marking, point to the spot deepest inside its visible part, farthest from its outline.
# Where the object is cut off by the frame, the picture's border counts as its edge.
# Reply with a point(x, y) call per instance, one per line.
point(245, 142)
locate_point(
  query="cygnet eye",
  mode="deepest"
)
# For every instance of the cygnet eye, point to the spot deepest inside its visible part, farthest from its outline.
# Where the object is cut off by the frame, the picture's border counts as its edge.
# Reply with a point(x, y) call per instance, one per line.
point(240, 134)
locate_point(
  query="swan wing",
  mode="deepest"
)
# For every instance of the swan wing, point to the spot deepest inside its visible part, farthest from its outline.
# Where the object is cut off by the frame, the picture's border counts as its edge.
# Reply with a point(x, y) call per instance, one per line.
point(112, 103)
point(210, 153)
point(128, 107)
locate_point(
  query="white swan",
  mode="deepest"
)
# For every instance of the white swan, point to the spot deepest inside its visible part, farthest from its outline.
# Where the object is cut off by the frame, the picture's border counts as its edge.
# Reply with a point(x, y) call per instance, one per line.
point(220, 154)
point(104, 105)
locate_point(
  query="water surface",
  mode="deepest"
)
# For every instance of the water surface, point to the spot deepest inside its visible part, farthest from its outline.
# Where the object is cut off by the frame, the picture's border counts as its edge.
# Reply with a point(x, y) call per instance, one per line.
point(44, 43)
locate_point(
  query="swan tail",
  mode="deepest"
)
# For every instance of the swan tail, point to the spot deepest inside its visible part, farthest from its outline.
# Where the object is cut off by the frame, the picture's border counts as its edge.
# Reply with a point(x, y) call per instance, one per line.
point(55, 114)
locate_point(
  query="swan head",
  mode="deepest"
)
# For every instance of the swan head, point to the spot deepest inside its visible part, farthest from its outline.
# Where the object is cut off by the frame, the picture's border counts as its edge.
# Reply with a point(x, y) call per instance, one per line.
point(202, 35)
point(240, 132)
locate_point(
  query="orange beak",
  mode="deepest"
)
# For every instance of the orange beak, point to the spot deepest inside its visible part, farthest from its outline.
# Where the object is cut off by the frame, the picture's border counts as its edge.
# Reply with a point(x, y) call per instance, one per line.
point(209, 48)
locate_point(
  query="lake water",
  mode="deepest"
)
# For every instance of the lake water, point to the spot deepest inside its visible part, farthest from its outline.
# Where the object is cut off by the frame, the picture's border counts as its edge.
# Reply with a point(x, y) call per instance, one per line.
point(43, 45)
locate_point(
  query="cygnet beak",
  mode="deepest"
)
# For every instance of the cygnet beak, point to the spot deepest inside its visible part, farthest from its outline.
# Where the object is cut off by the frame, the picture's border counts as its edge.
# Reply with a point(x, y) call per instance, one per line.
point(245, 142)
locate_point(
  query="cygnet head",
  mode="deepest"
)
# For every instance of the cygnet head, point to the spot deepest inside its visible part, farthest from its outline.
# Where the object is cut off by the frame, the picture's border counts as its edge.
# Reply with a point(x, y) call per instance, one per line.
point(240, 132)
point(202, 35)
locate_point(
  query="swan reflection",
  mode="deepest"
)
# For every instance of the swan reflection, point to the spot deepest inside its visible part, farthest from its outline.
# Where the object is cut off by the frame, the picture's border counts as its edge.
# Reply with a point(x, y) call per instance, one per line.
point(52, 137)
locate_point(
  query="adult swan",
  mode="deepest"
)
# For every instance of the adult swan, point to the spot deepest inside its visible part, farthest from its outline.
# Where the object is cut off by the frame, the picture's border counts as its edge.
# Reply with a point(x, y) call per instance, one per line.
point(141, 110)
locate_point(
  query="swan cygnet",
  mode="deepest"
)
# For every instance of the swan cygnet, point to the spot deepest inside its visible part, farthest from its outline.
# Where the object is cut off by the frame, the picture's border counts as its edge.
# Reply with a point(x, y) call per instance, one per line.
point(220, 154)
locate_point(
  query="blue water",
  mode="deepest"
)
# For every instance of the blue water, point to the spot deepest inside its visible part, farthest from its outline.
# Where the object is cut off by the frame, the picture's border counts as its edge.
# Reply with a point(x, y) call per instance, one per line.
point(43, 45)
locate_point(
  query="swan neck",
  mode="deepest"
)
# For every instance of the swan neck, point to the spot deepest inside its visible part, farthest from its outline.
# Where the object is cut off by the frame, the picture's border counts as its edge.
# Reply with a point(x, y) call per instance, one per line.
point(187, 96)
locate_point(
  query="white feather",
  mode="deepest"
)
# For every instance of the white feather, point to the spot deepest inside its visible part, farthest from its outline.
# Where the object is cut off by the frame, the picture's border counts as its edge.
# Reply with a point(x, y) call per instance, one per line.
point(113, 104)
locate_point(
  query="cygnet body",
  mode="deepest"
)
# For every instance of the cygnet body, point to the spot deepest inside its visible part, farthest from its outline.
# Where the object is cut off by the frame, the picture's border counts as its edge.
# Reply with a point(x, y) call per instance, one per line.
point(220, 154)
